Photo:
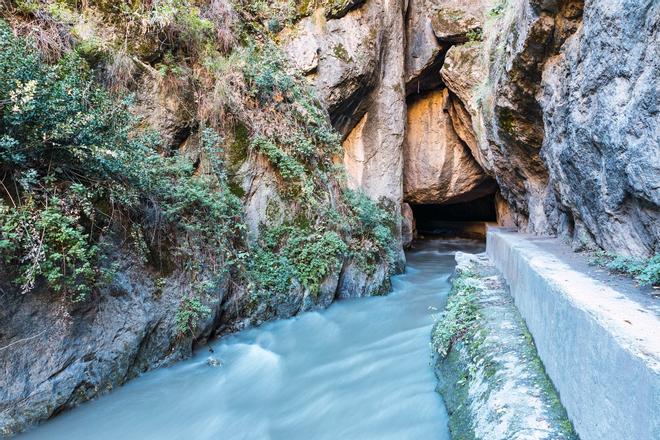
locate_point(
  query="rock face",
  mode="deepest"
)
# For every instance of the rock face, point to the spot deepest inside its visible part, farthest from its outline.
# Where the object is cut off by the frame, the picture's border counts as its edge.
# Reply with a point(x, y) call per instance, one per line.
point(558, 122)
point(554, 103)
point(92, 348)
point(602, 125)
point(359, 77)
point(458, 21)
point(438, 167)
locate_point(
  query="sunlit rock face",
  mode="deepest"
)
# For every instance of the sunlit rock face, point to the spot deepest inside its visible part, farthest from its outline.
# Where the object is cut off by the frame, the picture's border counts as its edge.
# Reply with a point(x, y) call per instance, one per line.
point(555, 101)
point(438, 166)
point(355, 63)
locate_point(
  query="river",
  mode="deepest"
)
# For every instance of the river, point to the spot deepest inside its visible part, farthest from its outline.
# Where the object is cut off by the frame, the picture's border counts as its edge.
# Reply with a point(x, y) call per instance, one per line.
point(360, 369)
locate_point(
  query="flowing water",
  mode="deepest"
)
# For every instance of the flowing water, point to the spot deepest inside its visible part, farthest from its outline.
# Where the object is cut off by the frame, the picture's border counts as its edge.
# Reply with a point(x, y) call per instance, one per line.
point(359, 370)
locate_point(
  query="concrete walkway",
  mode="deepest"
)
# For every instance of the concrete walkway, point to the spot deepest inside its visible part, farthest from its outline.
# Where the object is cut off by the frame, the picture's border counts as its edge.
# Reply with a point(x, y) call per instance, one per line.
point(598, 337)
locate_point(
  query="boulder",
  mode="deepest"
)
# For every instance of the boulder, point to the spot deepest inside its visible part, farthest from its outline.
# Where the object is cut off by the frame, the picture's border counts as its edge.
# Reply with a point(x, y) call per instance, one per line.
point(458, 21)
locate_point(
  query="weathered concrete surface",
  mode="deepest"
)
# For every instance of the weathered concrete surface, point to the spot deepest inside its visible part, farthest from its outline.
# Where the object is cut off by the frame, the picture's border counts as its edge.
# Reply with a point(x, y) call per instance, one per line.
point(491, 378)
point(600, 348)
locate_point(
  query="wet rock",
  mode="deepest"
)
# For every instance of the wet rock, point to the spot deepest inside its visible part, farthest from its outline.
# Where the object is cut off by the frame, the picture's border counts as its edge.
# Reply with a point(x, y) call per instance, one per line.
point(355, 281)
point(408, 229)
point(57, 355)
point(213, 362)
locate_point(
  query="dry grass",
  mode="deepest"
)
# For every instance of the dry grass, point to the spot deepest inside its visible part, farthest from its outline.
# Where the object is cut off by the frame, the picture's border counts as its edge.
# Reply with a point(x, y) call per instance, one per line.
point(51, 38)
point(223, 17)
point(120, 72)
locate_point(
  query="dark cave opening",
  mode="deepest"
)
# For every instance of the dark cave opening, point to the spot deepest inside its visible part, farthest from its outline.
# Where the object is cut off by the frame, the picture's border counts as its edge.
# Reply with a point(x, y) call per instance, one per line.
point(465, 219)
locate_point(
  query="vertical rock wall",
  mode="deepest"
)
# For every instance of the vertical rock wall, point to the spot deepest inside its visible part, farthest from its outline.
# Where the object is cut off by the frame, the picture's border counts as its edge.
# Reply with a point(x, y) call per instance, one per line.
point(357, 67)
point(555, 100)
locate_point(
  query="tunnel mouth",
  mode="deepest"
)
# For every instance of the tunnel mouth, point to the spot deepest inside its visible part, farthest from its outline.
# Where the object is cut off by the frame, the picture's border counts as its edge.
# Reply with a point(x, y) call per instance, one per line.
point(463, 219)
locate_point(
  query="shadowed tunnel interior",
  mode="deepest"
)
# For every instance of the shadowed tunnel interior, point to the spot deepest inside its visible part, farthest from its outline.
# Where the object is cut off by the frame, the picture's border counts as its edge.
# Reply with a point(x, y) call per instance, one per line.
point(457, 219)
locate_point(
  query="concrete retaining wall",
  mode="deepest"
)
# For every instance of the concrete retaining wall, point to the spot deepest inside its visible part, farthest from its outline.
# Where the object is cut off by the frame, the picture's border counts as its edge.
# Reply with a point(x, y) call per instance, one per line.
point(600, 348)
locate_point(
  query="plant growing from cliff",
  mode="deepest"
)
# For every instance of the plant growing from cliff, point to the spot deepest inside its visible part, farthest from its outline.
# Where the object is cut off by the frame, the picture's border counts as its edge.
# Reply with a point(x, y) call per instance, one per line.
point(372, 228)
point(498, 9)
point(73, 168)
point(460, 313)
point(291, 252)
point(190, 313)
point(475, 35)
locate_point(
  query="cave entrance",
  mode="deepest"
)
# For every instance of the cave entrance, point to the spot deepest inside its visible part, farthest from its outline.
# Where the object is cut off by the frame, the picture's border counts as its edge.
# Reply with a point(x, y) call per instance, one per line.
point(465, 219)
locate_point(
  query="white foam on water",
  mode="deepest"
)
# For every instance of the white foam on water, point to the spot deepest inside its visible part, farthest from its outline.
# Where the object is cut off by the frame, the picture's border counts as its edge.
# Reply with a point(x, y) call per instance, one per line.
point(358, 370)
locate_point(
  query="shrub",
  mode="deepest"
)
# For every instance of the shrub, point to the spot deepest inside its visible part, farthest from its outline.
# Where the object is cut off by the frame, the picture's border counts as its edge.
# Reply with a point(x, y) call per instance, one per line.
point(646, 272)
point(190, 312)
point(72, 166)
point(290, 252)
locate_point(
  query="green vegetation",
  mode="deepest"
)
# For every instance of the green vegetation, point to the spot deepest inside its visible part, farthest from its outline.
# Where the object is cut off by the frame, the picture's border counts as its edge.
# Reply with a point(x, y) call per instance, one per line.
point(72, 170)
point(645, 271)
point(474, 346)
point(341, 53)
point(498, 9)
point(293, 252)
point(475, 35)
point(83, 177)
point(189, 314)
point(275, 15)
point(460, 314)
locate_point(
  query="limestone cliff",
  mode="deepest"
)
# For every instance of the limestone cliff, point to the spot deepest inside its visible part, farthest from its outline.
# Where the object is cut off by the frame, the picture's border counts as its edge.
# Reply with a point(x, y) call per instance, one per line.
point(562, 98)
point(548, 107)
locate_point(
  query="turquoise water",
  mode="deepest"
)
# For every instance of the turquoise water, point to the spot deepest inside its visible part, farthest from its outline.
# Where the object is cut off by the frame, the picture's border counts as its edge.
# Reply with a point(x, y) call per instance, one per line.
point(359, 370)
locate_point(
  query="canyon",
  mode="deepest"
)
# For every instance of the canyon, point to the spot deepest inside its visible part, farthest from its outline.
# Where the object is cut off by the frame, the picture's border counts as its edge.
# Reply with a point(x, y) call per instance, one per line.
point(345, 130)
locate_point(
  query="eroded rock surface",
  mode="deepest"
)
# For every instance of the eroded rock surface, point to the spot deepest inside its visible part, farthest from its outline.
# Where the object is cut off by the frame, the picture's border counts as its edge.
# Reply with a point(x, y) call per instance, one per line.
point(438, 167)
point(602, 125)
point(561, 98)
point(359, 77)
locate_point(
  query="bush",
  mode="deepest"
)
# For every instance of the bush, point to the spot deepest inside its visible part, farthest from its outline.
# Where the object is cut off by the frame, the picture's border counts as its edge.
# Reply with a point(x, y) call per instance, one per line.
point(646, 272)
point(189, 314)
point(291, 252)
point(72, 167)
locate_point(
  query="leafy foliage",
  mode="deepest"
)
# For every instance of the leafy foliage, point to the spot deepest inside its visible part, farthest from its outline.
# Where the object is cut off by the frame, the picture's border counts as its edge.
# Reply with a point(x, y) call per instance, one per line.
point(69, 149)
point(71, 166)
point(189, 314)
point(460, 313)
point(646, 272)
point(289, 252)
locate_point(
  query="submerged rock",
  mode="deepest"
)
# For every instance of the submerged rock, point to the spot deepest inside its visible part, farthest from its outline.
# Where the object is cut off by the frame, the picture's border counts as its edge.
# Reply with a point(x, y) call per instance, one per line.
point(213, 362)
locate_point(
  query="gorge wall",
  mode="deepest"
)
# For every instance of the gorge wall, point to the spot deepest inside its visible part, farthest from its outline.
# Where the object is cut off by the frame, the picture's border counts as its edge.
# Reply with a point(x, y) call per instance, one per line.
point(549, 107)
point(553, 104)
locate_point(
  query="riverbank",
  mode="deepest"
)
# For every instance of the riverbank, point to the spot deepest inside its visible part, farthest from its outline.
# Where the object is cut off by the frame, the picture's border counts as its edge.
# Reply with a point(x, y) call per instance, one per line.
point(357, 370)
point(489, 373)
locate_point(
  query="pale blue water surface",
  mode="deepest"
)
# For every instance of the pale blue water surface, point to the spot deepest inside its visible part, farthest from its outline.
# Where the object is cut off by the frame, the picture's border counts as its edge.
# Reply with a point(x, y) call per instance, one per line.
point(359, 370)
